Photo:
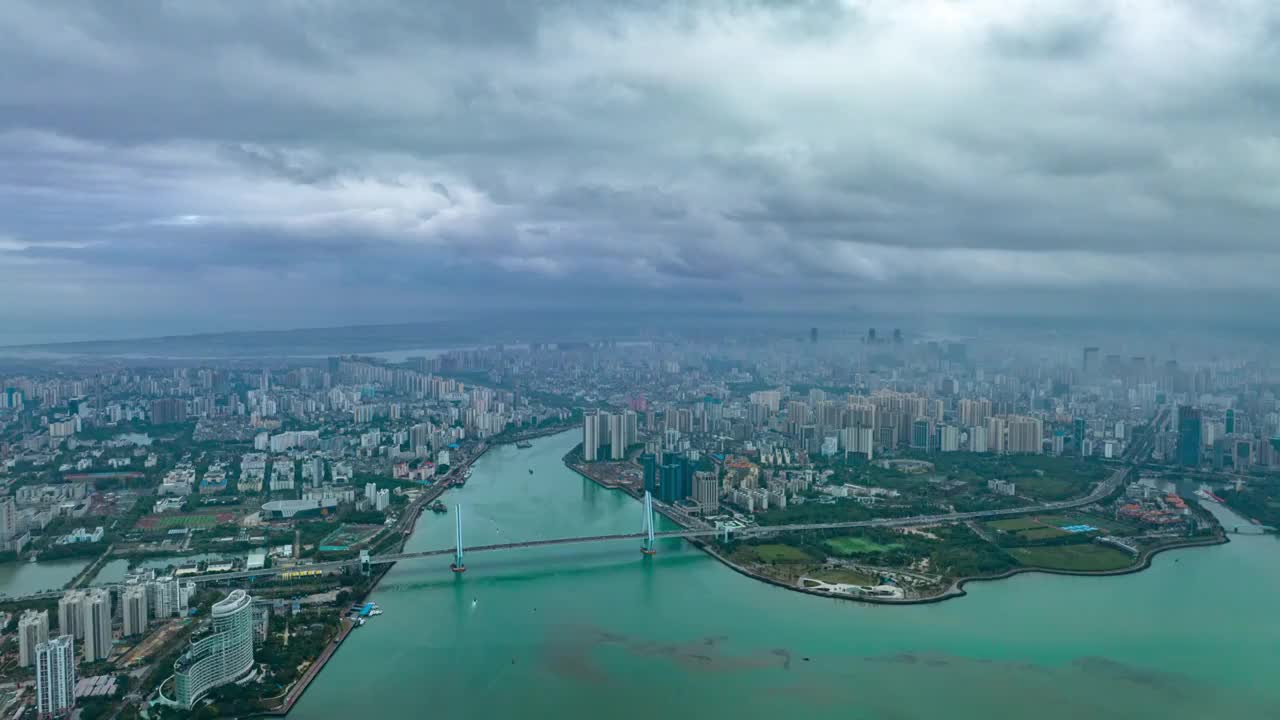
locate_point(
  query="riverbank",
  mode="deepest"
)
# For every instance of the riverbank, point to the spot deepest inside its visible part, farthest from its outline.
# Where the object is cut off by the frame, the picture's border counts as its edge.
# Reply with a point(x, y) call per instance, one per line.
point(86, 576)
point(404, 529)
point(532, 434)
point(954, 590)
point(313, 671)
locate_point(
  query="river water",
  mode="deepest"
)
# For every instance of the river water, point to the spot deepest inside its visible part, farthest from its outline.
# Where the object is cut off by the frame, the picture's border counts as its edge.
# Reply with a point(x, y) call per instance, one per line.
point(599, 630)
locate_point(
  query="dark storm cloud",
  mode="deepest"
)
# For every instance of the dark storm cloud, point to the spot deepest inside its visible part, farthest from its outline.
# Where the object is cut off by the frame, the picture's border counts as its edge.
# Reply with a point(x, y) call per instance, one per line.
point(319, 157)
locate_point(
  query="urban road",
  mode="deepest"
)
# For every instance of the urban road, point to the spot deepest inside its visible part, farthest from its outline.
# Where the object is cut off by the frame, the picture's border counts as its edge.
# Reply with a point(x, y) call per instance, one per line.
point(1139, 449)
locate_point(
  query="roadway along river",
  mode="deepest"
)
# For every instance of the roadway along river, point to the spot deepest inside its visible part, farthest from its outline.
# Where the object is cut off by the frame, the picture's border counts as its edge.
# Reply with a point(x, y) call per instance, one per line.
point(585, 632)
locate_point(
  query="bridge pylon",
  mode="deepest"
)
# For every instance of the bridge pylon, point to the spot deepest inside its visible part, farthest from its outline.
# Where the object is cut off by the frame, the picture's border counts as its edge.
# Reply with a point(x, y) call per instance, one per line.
point(648, 546)
point(457, 565)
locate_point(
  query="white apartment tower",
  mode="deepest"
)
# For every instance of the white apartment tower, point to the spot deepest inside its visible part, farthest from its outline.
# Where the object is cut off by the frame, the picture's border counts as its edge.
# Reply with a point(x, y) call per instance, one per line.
point(56, 676)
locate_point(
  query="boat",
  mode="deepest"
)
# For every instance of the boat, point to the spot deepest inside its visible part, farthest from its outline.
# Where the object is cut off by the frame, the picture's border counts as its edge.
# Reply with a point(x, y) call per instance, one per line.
point(376, 611)
point(359, 622)
point(524, 444)
point(438, 507)
point(530, 471)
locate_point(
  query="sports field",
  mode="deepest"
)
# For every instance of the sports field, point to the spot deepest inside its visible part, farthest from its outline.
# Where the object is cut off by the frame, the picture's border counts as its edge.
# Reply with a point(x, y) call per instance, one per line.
point(194, 520)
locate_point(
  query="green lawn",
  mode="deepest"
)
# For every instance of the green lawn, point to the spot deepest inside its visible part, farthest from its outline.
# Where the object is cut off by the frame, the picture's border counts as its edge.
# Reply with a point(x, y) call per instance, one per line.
point(853, 545)
point(1042, 533)
point(1014, 524)
point(1048, 488)
point(781, 553)
point(844, 575)
point(1087, 556)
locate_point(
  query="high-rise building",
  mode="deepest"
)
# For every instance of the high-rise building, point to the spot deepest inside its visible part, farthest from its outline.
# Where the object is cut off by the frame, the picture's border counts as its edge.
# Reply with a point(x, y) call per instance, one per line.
point(168, 411)
point(631, 427)
point(33, 629)
point(813, 335)
point(706, 491)
point(857, 440)
point(996, 435)
point(220, 657)
point(10, 539)
point(591, 435)
point(978, 439)
point(617, 437)
point(1190, 435)
point(1026, 434)
point(921, 434)
point(1077, 434)
point(56, 677)
point(949, 438)
point(133, 605)
point(71, 614)
point(96, 621)
point(672, 487)
point(1089, 363)
point(649, 465)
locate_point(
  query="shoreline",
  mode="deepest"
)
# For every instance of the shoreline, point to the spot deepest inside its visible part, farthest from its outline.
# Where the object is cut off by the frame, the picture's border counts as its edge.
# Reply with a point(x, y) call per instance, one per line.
point(955, 590)
point(413, 514)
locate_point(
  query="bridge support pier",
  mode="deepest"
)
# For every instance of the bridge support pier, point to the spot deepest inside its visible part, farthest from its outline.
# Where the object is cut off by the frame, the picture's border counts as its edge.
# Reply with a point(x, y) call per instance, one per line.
point(458, 565)
point(648, 546)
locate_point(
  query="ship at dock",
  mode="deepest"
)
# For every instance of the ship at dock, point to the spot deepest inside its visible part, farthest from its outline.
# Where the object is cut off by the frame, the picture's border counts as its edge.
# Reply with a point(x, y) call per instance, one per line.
point(438, 507)
point(524, 444)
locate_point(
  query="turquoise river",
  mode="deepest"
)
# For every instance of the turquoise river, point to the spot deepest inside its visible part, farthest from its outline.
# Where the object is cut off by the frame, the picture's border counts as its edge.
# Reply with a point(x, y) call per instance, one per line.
point(599, 631)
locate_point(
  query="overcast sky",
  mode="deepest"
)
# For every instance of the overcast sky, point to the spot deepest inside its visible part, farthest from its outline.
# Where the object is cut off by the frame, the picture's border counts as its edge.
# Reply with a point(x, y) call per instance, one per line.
point(176, 167)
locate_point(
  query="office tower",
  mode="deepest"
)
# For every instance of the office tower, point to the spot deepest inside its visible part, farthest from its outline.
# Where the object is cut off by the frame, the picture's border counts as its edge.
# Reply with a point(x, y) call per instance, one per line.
point(813, 335)
point(617, 438)
point(1077, 434)
point(1026, 434)
point(1230, 421)
point(591, 435)
point(221, 656)
point(56, 676)
point(1090, 362)
point(1190, 435)
point(672, 487)
point(71, 614)
point(33, 629)
point(706, 491)
point(96, 622)
point(649, 463)
point(133, 602)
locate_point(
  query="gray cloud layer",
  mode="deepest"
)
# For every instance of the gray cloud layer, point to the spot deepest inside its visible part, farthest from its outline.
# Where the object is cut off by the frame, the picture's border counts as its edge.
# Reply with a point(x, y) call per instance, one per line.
point(199, 166)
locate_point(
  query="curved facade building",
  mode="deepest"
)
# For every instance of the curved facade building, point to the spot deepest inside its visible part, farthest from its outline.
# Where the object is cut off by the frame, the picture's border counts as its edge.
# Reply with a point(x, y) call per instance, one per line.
point(220, 657)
